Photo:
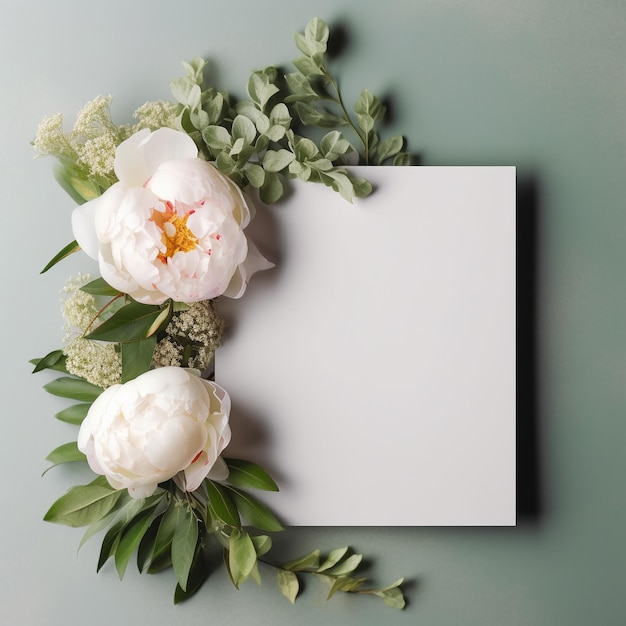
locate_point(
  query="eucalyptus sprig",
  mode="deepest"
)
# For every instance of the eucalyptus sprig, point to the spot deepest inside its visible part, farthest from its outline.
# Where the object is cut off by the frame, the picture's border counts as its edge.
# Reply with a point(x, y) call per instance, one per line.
point(253, 141)
point(318, 101)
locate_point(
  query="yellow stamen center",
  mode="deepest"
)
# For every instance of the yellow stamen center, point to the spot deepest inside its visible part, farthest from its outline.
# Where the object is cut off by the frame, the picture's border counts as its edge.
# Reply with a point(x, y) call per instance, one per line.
point(176, 234)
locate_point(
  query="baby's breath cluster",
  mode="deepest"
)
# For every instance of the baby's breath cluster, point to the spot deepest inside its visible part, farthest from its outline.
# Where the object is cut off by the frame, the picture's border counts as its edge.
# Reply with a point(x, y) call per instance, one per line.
point(155, 115)
point(192, 336)
point(89, 148)
point(98, 363)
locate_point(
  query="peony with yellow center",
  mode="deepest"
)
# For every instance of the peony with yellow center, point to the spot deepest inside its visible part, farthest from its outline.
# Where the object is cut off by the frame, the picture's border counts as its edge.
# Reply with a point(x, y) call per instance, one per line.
point(172, 227)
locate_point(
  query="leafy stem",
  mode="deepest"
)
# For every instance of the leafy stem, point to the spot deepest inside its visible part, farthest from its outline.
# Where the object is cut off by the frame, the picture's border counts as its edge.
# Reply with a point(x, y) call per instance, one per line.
point(338, 100)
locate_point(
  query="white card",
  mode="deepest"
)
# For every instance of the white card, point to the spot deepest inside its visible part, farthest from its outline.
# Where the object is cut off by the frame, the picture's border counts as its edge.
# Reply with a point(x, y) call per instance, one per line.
point(372, 372)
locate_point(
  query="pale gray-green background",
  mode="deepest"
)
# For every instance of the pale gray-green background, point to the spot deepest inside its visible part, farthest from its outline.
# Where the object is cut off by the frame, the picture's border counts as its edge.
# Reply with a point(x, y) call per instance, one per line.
point(536, 84)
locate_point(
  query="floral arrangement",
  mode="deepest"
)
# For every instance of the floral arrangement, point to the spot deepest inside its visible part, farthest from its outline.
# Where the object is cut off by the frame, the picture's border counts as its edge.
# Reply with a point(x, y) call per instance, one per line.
point(162, 206)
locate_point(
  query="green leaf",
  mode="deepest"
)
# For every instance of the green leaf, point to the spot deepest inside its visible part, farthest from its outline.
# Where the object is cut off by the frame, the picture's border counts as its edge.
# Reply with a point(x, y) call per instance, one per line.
point(369, 110)
point(346, 567)
point(332, 559)
point(272, 189)
point(313, 42)
point(66, 453)
point(134, 321)
point(261, 87)
point(255, 174)
point(76, 184)
point(197, 576)
point(308, 66)
point(59, 366)
point(74, 414)
point(244, 129)
point(262, 544)
point(313, 117)
point(241, 556)
point(248, 475)
point(403, 159)
point(137, 357)
point(130, 540)
point(82, 505)
point(255, 512)
point(221, 504)
point(392, 595)
point(341, 182)
point(277, 160)
point(99, 287)
point(389, 148)
point(280, 116)
point(59, 256)
point(184, 544)
point(300, 88)
point(165, 533)
point(129, 509)
point(109, 518)
point(345, 583)
point(362, 188)
point(288, 584)
point(309, 561)
point(49, 361)
point(73, 388)
point(216, 137)
point(334, 145)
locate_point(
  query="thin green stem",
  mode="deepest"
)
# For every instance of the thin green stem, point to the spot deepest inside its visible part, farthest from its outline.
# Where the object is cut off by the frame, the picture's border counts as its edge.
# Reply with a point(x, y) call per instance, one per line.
point(101, 311)
point(339, 101)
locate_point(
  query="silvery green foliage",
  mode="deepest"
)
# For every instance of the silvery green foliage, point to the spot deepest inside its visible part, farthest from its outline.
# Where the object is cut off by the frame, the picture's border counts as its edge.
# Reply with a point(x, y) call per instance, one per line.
point(255, 141)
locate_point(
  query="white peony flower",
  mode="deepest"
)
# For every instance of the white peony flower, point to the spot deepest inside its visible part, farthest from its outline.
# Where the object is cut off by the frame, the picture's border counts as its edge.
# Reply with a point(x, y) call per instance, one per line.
point(146, 431)
point(172, 227)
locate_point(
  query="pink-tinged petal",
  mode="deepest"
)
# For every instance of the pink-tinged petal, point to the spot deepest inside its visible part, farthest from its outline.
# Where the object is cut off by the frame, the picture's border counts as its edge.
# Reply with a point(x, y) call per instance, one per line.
point(255, 262)
point(197, 472)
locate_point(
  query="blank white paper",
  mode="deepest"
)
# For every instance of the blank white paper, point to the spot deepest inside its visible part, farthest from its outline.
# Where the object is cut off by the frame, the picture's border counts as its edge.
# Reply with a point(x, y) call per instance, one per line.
point(372, 371)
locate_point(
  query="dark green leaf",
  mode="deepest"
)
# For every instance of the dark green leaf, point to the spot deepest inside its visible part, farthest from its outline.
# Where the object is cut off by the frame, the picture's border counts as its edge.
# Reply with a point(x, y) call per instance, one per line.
point(248, 475)
point(197, 576)
point(167, 528)
point(221, 504)
point(255, 512)
point(130, 539)
point(184, 545)
point(59, 366)
point(66, 453)
point(99, 287)
point(73, 388)
point(82, 505)
point(137, 357)
point(74, 414)
point(133, 322)
point(59, 256)
point(49, 361)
